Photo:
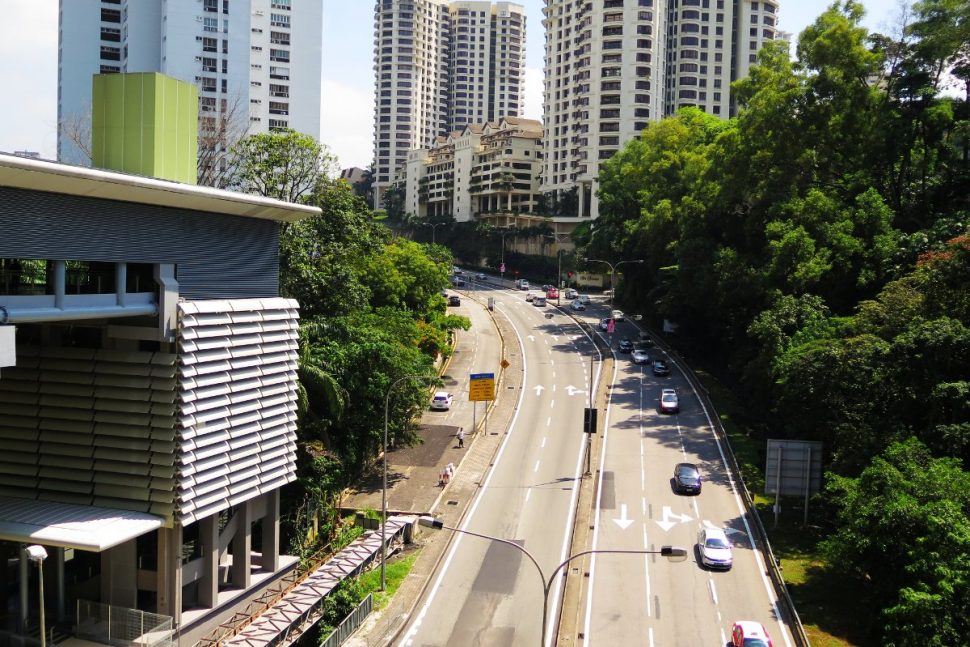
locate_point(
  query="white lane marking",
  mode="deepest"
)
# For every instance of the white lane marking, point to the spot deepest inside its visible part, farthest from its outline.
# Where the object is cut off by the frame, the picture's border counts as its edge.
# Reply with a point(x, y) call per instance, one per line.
point(713, 591)
point(553, 388)
point(650, 634)
point(528, 493)
point(536, 468)
point(456, 541)
point(646, 568)
point(643, 502)
point(552, 404)
point(553, 375)
point(543, 445)
point(549, 421)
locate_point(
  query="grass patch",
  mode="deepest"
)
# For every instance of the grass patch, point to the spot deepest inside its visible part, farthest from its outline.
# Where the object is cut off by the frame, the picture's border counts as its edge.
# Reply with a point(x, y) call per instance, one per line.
point(396, 571)
point(832, 609)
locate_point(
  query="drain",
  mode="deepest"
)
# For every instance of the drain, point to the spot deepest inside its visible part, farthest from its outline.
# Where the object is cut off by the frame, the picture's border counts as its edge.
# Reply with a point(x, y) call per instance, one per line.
point(452, 503)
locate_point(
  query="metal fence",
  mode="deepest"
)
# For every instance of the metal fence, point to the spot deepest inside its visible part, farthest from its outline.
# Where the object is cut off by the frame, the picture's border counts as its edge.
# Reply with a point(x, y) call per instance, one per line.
point(350, 624)
point(123, 627)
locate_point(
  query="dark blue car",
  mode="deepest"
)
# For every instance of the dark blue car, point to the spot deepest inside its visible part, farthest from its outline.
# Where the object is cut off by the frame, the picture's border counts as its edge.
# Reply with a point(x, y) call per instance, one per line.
point(687, 479)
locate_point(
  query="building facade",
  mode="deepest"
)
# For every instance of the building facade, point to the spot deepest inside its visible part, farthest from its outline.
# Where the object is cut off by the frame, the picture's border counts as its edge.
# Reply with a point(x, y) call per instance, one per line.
point(440, 66)
point(148, 390)
point(611, 66)
point(484, 172)
point(256, 63)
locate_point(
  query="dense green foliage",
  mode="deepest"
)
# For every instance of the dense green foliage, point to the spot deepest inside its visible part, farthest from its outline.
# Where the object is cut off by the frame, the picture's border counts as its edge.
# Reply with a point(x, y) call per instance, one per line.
point(815, 247)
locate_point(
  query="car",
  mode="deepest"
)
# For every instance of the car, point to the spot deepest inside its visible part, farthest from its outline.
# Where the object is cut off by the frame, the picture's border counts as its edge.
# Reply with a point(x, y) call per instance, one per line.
point(660, 368)
point(618, 315)
point(530, 296)
point(669, 403)
point(546, 287)
point(480, 276)
point(750, 633)
point(454, 300)
point(577, 305)
point(552, 293)
point(645, 339)
point(441, 401)
point(605, 324)
point(522, 284)
point(640, 356)
point(456, 270)
point(584, 299)
point(539, 301)
point(687, 478)
point(571, 293)
point(457, 281)
point(714, 548)
point(626, 346)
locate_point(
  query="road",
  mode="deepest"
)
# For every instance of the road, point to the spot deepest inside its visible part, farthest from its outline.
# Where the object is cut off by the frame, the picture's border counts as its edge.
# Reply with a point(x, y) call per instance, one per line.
point(487, 594)
point(646, 600)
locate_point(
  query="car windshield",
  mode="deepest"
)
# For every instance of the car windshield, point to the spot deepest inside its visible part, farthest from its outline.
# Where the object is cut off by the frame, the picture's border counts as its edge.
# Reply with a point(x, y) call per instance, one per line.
point(755, 642)
point(687, 472)
point(669, 397)
point(716, 542)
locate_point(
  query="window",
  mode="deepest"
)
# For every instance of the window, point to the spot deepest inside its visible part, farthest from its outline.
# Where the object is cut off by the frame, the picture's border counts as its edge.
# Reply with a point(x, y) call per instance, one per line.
point(210, 5)
point(110, 53)
point(207, 83)
point(279, 90)
point(110, 15)
point(280, 4)
point(111, 34)
point(278, 124)
point(210, 44)
point(279, 108)
point(279, 73)
point(110, 69)
point(279, 20)
point(280, 55)
point(210, 24)
point(279, 38)
point(209, 65)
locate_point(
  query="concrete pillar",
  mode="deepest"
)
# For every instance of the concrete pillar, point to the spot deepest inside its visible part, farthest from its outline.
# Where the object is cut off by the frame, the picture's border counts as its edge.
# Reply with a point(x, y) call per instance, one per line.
point(271, 533)
point(169, 582)
point(119, 575)
point(60, 584)
point(209, 584)
point(24, 589)
point(242, 547)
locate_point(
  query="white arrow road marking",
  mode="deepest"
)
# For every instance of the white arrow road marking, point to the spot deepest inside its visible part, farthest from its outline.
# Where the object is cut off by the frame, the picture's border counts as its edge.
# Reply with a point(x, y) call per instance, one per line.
point(572, 390)
point(538, 388)
point(671, 519)
point(531, 337)
point(623, 522)
point(555, 338)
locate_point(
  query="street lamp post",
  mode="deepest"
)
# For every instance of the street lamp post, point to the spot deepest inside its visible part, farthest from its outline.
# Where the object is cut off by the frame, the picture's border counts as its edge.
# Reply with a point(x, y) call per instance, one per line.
point(434, 227)
point(38, 554)
point(675, 554)
point(387, 415)
point(613, 267)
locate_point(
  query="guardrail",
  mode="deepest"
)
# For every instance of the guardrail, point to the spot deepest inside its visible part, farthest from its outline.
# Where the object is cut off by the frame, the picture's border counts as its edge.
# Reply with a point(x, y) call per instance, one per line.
point(351, 623)
point(773, 571)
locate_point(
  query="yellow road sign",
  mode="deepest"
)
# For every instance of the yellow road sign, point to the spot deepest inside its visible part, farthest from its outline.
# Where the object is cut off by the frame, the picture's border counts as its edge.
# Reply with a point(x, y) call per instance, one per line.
point(481, 387)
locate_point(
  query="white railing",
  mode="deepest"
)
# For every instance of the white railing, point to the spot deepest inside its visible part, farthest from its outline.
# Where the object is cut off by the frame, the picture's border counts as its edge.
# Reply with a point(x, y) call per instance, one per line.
point(123, 627)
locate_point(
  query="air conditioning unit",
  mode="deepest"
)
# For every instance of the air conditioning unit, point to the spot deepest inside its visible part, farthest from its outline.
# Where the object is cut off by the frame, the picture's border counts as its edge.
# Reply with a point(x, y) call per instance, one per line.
point(198, 38)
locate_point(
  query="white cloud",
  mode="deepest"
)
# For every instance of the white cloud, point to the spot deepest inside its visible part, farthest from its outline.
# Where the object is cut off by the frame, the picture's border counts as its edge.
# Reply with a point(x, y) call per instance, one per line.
point(533, 93)
point(347, 122)
point(28, 47)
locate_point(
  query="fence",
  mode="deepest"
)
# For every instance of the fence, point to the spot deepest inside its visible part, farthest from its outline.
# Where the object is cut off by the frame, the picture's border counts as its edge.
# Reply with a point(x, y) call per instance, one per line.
point(350, 624)
point(122, 627)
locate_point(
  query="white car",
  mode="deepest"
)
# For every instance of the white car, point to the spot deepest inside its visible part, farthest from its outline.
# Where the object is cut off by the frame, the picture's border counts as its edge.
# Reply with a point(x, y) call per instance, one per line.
point(669, 403)
point(714, 548)
point(571, 293)
point(618, 315)
point(441, 401)
point(577, 305)
point(584, 299)
point(640, 356)
point(604, 324)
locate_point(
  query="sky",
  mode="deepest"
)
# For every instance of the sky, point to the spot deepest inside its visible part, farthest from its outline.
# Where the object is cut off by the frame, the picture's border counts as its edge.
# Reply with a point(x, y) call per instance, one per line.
point(28, 51)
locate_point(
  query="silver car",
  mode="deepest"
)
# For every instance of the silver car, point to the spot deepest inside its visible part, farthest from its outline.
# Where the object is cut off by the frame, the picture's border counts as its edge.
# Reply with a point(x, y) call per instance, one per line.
point(577, 305)
point(715, 548)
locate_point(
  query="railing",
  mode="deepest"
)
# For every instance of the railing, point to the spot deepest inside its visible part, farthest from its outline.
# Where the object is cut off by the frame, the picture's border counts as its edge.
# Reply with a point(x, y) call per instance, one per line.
point(123, 627)
point(351, 623)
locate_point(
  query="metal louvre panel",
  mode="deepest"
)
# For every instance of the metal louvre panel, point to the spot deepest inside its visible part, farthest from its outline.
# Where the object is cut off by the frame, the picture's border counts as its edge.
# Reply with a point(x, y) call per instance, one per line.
point(237, 401)
point(81, 426)
point(204, 246)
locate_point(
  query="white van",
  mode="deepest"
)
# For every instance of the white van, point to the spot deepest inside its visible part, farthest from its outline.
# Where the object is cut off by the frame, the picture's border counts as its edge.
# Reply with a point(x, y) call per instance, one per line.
point(522, 284)
point(539, 301)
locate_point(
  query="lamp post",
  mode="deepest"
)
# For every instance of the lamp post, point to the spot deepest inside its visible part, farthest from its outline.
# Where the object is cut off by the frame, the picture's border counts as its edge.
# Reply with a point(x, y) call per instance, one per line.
point(503, 233)
point(673, 553)
point(387, 415)
point(434, 227)
point(38, 554)
point(613, 267)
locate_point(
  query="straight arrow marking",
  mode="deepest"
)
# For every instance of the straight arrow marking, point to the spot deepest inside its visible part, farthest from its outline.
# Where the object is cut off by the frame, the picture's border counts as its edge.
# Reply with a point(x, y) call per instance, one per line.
point(623, 522)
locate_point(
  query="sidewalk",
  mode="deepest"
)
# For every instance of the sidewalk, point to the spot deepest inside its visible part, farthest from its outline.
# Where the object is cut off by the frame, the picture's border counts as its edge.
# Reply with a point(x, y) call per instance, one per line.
point(412, 485)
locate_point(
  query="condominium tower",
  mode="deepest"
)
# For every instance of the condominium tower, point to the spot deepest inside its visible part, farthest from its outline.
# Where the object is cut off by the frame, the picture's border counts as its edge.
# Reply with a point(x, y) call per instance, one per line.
point(611, 66)
point(440, 66)
point(259, 60)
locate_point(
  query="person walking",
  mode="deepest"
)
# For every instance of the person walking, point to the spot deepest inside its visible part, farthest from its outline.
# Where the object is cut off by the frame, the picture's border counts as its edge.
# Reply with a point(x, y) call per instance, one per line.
point(461, 437)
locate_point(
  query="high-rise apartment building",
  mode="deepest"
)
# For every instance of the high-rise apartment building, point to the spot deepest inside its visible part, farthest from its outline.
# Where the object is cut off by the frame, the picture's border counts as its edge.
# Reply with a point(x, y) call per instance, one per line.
point(440, 66)
point(611, 66)
point(257, 60)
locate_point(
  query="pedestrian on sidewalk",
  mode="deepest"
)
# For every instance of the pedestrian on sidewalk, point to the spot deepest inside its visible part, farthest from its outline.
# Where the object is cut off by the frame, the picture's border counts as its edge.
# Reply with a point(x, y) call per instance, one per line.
point(461, 437)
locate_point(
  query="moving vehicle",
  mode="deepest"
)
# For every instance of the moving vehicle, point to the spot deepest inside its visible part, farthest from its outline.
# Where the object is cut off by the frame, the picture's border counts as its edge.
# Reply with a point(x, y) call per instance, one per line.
point(640, 356)
point(454, 300)
point(660, 368)
point(539, 301)
point(530, 296)
point(618, 315)
point(552, 293)
point(604, 324)
point(457, 281)
point(522, 284)
point(571, 293)
point(626, 346)
point(456, 270)
point(441, 401)
point(749, 633)
point(687, 479)
point(480, 276)
point(645, 339)
point(584, 299)
point(669, 403)
point(577, 305)
point(714, 548)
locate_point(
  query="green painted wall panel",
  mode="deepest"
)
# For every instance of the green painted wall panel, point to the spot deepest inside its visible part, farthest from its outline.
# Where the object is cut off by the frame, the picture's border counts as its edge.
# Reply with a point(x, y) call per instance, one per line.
point(145, 123)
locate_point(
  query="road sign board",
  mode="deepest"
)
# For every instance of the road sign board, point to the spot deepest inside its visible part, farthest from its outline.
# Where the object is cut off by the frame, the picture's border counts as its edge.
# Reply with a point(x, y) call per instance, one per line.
point(611, 326)
point(505, 363)
point(501, 268)
point(481, 387)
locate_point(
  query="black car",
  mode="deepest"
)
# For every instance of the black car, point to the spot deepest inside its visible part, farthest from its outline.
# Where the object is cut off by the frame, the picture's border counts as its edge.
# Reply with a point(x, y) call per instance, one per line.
point(457, 282)
point(626, 346)
point(454, 300)
point(660, 368)
point(687, 479)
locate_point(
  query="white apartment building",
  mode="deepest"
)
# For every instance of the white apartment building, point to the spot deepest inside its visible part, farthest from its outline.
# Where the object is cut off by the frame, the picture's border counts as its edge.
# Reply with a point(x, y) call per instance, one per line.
point(440, 66)
point(483, 172)
point(257, 59)
point(611, 66)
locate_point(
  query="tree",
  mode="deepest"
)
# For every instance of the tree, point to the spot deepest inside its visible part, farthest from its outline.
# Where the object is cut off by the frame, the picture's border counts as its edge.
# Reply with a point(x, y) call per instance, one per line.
point(394, 202)
point(219, 132)
point(285, 165)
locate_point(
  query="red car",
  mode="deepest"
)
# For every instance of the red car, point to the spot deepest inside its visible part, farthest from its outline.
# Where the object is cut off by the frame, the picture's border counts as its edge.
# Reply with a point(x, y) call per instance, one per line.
point(552, 293)
point(748, 633)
